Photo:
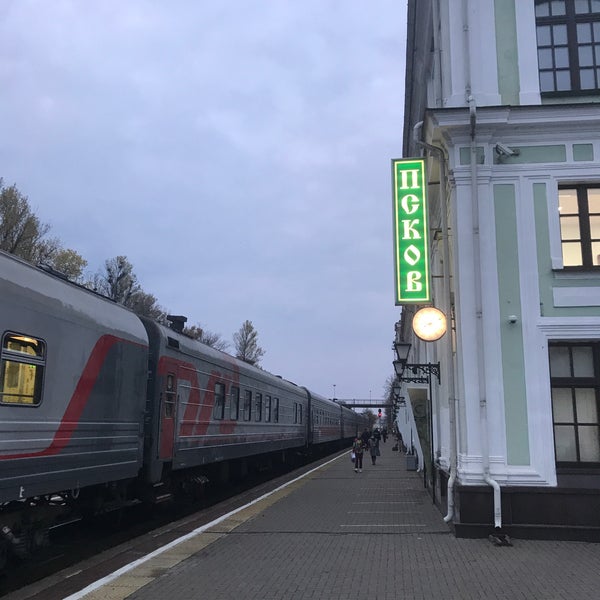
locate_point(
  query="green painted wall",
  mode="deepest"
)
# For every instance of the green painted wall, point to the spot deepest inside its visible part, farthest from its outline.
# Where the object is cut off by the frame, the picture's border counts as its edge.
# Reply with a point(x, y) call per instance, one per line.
point(511, 335)
point(507, 51)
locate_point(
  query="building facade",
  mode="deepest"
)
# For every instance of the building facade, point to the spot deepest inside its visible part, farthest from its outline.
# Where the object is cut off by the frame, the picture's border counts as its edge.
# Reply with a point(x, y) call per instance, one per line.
point(503, 101)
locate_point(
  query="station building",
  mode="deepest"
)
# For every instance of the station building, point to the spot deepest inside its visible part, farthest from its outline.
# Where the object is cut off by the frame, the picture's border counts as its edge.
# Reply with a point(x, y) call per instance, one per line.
point(503, 103)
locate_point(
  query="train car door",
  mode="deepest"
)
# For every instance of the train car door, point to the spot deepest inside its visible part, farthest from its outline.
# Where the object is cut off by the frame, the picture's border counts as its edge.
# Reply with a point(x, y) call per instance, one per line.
point(168, 414)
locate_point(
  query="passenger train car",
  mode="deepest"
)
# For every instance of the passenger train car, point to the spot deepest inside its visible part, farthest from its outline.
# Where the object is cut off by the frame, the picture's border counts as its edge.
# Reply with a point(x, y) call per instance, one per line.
point(100, 407)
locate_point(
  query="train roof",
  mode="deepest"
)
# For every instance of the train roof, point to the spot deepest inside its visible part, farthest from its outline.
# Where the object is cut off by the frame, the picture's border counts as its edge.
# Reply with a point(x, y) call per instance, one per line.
point(46, 290)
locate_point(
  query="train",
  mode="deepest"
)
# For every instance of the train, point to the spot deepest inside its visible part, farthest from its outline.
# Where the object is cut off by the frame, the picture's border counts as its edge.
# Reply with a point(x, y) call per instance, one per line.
point(101, 408)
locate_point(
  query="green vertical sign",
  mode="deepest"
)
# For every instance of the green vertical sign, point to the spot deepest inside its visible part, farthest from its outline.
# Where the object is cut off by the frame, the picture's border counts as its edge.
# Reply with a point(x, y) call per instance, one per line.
point(411, 244)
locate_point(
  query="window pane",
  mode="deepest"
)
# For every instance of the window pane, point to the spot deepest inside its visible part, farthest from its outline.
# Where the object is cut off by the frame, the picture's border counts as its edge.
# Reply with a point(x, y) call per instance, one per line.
point(583, 361)
point(561, 57)
point(258, 407)
point(584, 33)
point(559, 33)
point(595, 6)
point(589, 450)
point(560, 365)
point(19, 383)
point(558, 7)
point(581, 6)
point(563, 80)
point(572, 254)
point(595, 227)
point(587, 79)
point(567, 200)
point(546, 81)
point(542, 9)
point(247, 404)
point(596, 253)
point(545, 59)
point(562, 405)
point(543, 35)
point(594, 200)
point(586, 56)
point(585, 401)
point(234, 408)
point(24, 345)
point(564, 442)
point(569, 228)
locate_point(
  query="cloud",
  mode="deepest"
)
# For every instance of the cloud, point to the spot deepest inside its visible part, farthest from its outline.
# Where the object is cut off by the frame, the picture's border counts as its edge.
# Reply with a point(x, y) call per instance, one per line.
point(238, 152)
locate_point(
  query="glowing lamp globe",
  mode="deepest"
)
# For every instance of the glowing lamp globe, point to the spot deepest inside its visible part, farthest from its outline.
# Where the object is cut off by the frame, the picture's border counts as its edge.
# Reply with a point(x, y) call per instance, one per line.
point(429, 324)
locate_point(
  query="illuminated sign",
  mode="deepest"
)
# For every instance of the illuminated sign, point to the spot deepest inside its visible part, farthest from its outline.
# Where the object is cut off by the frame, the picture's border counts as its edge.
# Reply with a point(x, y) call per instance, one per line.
point(411, 244)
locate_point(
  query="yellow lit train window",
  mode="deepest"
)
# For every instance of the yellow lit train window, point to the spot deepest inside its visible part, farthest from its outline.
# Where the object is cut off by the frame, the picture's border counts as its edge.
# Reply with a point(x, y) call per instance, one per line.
point(21, 370)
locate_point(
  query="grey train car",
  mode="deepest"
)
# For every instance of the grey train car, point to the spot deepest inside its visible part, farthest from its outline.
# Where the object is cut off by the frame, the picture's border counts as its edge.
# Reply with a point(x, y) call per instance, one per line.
point(100, 407)
point(207, 407)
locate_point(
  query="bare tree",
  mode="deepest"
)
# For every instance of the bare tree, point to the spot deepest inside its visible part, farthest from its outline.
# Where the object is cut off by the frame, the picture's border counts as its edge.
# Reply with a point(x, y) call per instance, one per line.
point(118, 281)
point(214, 340)
point(246, 344)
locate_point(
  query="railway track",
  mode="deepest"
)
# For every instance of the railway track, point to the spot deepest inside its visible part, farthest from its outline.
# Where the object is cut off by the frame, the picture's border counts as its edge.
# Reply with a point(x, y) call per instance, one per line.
point(81, 552)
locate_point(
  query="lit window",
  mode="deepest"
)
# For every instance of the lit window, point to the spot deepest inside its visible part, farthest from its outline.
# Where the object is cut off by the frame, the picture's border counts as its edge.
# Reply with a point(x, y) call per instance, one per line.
point(22, 370)
point(579, 208)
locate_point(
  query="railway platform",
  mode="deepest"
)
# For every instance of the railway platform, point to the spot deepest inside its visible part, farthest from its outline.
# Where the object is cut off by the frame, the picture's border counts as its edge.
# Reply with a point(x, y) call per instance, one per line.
point(339, 535)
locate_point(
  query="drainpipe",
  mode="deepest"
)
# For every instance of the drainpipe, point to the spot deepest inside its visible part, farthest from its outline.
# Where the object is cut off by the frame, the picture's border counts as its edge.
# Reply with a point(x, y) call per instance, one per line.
point(444, 202)
point(485, 456)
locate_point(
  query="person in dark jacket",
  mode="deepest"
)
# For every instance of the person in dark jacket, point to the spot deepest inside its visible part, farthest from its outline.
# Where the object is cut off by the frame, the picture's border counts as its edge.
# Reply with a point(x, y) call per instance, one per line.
point(364, 436)
point(358, 449)
point(373, 449)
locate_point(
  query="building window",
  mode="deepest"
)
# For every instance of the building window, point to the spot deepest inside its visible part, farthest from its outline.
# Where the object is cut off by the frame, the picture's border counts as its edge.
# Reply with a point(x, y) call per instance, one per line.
point(579, 214)
point(22, 370)
point(276, 410)
point(268, 408)
point(219, 407)
point(568, 42)
point(575, 382)
point(234, 406)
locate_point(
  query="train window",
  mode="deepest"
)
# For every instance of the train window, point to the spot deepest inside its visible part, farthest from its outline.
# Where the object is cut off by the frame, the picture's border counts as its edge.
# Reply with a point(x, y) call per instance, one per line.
point(169, 403)
point(257, 407)
point(297, 412)
point(276, 410)
point(219, 407)
point(247, 405)
point(268, 408)
point(234, 406)
point(22, 370)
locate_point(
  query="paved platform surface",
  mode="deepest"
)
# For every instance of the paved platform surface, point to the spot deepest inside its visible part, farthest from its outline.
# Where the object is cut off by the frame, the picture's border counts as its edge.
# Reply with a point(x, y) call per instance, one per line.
point(337, 534)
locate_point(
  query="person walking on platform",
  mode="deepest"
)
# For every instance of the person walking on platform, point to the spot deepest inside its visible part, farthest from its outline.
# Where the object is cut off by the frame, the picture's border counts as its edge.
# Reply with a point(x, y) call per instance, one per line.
point(358, 449)
point(374, 449)
point(364, 436)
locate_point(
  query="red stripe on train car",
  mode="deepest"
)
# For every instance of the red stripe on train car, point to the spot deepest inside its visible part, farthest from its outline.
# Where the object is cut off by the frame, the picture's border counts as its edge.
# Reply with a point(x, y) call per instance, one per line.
point(79, 399)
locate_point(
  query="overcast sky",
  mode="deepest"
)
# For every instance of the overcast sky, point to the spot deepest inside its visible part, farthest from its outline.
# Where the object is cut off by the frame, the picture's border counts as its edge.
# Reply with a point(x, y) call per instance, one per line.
point(236, 151)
